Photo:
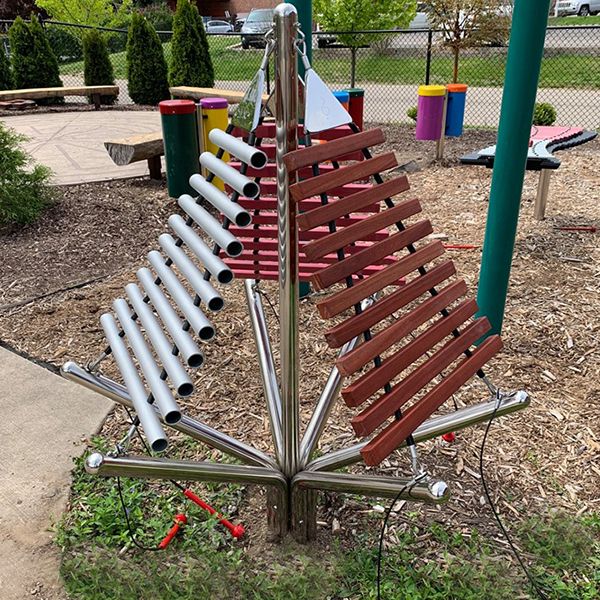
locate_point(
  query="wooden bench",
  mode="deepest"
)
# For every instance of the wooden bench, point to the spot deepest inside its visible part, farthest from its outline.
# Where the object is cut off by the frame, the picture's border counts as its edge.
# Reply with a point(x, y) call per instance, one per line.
point(197, 93)
point(95, 92)
point(145, 146)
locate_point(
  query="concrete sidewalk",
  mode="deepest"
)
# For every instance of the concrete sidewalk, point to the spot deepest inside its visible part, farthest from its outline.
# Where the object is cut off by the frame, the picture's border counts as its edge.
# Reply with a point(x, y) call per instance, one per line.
point(72, 143)
point(45, 420)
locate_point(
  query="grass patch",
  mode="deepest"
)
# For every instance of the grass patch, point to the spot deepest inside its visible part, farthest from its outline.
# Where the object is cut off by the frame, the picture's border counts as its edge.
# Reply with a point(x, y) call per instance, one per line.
point(565, 21)
point(203, 563)
point(231, 63)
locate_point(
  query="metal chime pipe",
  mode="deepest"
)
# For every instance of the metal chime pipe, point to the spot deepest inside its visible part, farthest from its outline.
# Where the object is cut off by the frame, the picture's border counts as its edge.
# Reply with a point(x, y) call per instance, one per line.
point(317, 423)
point(266, 364)
point(163, 396)
point(216, 267)
point(139, 397)
point(240, 183)
point(286, 126)
point(160, 342)
point(253, 157)
point(426, 490)
point(195, 429)
point(174, 325)
point(227, 241)
point(195, 317)
point(188, 470)
point(234, 212)
point(454, 421)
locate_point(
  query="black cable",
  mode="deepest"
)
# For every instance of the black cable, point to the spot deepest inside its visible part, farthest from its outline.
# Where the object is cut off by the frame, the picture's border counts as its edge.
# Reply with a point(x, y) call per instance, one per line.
point(382, 534)
point(129, 528)
point(488, 496)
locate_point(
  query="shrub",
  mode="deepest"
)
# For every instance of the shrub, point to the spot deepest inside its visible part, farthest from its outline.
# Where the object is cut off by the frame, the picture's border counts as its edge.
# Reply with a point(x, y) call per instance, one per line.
point(544, 114)
point(146, 66)
point(97, 68)
point(190, 57)
point(65, 44)
point(24, 191)
point(6, 78)
point(160, 15)
point(33, 62)
point(411, 113)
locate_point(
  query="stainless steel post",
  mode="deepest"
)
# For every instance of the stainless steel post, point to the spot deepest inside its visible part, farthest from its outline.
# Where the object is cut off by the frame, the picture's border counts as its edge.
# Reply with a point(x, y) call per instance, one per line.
point(286, 122)
point(266, 364)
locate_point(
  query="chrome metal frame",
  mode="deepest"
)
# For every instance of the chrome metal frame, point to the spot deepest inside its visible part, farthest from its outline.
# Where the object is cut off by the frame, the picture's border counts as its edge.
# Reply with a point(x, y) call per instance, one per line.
point(291, 477)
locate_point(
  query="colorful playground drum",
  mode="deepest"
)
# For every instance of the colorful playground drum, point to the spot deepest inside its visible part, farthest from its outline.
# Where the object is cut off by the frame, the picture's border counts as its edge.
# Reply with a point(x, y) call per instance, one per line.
point(343, 98)
point(356, 105)
point(178, 119)
point(214, 116)
point(430, 112)
point(455, 110)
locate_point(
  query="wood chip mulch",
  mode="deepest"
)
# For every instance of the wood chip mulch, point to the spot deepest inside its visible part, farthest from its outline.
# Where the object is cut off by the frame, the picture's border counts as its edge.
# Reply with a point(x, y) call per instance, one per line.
point(547, 458)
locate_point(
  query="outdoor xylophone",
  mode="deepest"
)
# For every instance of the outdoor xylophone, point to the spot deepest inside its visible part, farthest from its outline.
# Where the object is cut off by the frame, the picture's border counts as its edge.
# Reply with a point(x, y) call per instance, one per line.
point(321, 213)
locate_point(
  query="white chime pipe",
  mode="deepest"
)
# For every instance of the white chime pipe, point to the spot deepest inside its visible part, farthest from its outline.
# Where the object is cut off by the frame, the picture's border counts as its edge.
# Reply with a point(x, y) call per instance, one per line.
point(233, 211)
point(250, 155)
point(174, 325)
point(217, 268)
point(194, 315)
point(161, 344)
point(146, 414)
point(192, 273)
point(158, 386)
point(232, 177)
point(227, 241)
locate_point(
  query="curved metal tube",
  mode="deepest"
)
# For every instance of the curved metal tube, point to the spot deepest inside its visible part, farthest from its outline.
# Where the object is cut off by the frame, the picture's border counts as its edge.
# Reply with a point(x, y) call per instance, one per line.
point(240, 183)
point(464, 417)
point(139, 397)
point(217, 268)
point(188, 470)
point(234, 212)
point(254, 157)
point(195, 317)
point(174, 325)
point(425, 490)
point(226, 240)
point(161, 344)
point(158, 387)
point(195, 429)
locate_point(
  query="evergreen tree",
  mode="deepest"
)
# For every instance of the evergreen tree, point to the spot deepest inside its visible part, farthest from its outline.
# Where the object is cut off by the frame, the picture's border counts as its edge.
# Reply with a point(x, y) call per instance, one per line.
point(190, 57)
point(34, 64)
point(97, 69)
point(146, 66)
point(6, 78)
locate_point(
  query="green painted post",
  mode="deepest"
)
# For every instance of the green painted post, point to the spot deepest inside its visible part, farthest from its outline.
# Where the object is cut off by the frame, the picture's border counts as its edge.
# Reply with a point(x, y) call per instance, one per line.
point(523, 64)
point(304, 8)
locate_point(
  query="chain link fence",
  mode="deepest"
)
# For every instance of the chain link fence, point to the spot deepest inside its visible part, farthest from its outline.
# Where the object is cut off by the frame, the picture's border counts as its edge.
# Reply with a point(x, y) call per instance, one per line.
point(388, 65)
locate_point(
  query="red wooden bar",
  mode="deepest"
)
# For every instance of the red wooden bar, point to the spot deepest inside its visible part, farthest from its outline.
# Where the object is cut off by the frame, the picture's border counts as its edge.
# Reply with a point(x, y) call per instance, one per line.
point(394, 434)
point(372, 417)
point(340, 334)
point(365, 386)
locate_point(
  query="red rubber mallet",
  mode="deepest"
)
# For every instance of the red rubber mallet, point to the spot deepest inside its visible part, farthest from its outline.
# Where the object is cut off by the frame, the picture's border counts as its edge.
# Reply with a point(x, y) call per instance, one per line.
point(180, 521)
point(237, 531)
point(449, 437)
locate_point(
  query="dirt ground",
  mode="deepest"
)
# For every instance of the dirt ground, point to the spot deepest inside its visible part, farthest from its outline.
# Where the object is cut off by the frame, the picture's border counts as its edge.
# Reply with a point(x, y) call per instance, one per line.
point(545, 458)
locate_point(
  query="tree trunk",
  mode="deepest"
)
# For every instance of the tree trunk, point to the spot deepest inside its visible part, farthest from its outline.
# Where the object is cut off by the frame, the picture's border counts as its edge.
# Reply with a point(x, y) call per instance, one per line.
point(456, 52)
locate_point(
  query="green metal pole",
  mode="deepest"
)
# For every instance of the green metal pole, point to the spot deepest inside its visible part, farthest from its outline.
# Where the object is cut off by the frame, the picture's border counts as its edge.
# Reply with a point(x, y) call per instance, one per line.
point(304, 8)
point(523, 63)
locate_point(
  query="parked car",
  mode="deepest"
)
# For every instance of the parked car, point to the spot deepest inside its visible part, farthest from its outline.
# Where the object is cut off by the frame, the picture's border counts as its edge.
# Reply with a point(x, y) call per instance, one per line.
point(420, 21)
point(583, 8)
point(218, 27)
point(257, 24)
